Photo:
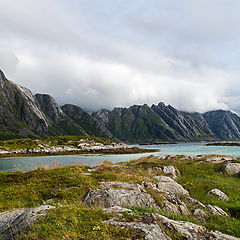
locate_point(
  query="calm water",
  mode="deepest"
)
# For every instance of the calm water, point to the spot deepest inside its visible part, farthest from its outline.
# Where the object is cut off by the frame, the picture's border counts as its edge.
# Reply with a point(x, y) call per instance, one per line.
point(191, 149)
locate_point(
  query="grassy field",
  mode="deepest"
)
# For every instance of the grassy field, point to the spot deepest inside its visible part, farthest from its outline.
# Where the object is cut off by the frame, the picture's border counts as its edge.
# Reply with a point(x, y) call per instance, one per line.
point(66, 187)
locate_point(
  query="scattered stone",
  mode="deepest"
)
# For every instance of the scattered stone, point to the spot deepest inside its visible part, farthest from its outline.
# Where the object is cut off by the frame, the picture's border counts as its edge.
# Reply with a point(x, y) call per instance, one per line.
point(216, 210)
point(151, 231)
point(231, 168)
point(219, 194)
point(16, 222)
point(119, 197)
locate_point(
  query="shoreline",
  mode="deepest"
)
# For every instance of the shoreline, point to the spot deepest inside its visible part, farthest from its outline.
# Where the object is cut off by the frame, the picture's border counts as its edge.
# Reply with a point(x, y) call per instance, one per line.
point(91, 152)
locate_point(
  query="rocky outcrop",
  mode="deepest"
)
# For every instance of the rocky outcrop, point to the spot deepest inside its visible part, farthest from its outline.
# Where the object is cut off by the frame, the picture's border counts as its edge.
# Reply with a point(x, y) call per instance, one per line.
point(167, 185)
point(219, 194)
point(190, 230)
point(231, 168)
point(216, 210)
point(119, 197)
point(151, 231)
point(15, 222)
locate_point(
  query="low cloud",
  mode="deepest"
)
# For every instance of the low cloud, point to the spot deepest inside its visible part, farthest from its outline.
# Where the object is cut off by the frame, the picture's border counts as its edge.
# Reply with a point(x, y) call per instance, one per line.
point(112, 57)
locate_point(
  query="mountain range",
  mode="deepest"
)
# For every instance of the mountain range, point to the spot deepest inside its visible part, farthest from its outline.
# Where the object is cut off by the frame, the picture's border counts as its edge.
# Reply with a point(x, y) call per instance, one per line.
point(23, 114)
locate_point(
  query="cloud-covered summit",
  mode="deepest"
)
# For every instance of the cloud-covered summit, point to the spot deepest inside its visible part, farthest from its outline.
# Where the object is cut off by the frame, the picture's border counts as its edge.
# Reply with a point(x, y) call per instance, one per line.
point(101, 54)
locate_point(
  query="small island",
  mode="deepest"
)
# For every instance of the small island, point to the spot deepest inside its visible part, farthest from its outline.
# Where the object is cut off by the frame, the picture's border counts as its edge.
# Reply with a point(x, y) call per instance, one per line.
point(230, 144)
point(66, 145)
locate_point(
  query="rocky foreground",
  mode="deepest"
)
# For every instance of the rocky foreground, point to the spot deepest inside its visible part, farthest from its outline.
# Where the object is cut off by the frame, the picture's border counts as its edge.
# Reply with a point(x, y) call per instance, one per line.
point(152, 208)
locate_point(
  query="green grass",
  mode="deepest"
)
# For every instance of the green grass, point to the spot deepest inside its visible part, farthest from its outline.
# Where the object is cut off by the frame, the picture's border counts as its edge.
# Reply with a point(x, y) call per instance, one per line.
point(66, 187)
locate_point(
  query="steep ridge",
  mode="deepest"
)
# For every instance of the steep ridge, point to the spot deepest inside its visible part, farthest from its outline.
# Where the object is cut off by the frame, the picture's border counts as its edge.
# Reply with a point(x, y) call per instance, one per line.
point(61, 124)
point(88, 123)
point(23, 114)
point(20, 112)
point(224, 124)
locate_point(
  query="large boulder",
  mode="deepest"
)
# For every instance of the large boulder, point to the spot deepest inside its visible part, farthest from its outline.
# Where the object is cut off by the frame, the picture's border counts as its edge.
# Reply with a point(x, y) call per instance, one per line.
point(15, 222)
point(219, 194)
point(231, 168)
point(119, 197)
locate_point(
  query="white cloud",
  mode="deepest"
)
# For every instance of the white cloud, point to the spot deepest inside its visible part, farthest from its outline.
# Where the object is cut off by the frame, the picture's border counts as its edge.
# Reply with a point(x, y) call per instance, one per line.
point(99, 55)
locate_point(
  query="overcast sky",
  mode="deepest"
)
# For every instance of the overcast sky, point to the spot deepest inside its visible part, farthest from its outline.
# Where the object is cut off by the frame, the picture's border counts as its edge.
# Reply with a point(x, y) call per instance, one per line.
point(106, 53)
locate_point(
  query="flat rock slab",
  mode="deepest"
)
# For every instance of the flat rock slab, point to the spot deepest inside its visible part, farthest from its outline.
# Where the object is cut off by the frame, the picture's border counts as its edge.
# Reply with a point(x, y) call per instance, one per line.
point(119, 197)
point(15, 222)
point(151, 231)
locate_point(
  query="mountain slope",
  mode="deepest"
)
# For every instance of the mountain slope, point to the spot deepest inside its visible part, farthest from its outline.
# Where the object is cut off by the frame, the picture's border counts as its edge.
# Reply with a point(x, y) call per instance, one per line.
point(89, 124)
point(23, 114)
point(20, 112)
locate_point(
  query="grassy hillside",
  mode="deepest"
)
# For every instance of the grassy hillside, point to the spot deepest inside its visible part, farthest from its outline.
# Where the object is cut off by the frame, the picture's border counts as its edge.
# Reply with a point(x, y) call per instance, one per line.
point(66, 187)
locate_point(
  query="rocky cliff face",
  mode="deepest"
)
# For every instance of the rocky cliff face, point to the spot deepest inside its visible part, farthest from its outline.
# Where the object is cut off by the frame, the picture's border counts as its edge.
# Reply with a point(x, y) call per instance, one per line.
point(24, 115)
point(165, 123)
point(88, 123)
point(20, 112)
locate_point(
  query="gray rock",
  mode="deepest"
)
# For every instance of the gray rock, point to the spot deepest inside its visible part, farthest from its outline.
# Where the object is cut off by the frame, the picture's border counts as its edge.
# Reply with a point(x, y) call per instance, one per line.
point(151, 231)
point(119, 197)
point(231, 168)
point(164, 179)
point(167, 185)
point(216, 210)
point(220, 236)
point(16, 222)
point(171, 171)
point(200, 213)
point(121, 185)
point(191, 231)
point(219, 194)
point(171, 188)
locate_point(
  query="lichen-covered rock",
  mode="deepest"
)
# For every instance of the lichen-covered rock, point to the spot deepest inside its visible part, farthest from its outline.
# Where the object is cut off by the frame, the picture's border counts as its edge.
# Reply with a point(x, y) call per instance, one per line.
point(187, 229)
point(216, 210)
point(231, 168)
point(171, 188)
point(167, 185)
point(119, 197)
point(190, 230)
point(15, 222)
point(219, 194)
point(151, 231)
